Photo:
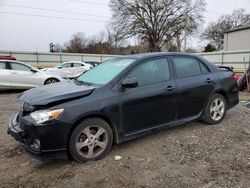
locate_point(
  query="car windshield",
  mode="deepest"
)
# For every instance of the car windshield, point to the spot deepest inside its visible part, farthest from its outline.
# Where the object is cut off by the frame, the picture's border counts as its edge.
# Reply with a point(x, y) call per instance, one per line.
point(56, 66)
point(105, 72)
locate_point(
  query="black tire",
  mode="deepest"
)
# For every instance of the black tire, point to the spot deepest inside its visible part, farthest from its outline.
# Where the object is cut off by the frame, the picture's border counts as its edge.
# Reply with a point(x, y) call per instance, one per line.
point(213, 113)
point(81, 153)
point(51, 81)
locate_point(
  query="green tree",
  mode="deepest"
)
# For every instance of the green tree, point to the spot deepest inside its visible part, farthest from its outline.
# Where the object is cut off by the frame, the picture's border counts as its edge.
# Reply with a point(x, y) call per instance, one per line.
point(209, 48)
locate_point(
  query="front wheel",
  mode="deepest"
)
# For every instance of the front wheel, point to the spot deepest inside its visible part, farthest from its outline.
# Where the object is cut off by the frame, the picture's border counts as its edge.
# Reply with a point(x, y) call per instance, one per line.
point(51, 81)
point(91, 140)
point(215, 110)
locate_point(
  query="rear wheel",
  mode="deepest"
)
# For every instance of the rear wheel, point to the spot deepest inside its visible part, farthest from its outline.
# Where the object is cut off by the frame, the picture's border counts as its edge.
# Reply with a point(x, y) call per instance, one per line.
point(215, 110)
point(51, 81)
point(91, 140)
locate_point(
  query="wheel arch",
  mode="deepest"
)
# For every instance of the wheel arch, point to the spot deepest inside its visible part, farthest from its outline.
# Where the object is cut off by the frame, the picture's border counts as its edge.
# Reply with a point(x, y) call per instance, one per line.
point(100, 116)
point(218, 91)
point(50, 78)
point(223, 93)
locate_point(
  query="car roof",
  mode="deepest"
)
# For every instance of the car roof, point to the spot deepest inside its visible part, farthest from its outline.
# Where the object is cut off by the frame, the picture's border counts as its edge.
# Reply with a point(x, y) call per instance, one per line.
point(73, 62)
point(157, 54)
point(14, 61)
point(9, 60)
point(7, 57)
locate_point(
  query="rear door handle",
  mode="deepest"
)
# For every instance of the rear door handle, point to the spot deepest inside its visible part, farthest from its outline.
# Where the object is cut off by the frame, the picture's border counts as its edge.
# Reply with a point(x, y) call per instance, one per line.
point(14, 73)
point(170, 88)
point(209, 80)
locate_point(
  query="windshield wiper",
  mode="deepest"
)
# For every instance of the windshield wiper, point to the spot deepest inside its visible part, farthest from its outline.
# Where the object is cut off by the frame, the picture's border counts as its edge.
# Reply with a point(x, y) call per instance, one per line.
point(79, 82)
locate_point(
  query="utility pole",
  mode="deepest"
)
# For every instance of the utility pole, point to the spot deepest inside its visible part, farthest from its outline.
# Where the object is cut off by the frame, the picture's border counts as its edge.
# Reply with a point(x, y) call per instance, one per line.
point(185, 40)
point(185, 36)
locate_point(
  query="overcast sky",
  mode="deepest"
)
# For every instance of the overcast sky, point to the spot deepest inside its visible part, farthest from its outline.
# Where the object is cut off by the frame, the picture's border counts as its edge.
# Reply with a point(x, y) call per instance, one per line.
point(23, 32)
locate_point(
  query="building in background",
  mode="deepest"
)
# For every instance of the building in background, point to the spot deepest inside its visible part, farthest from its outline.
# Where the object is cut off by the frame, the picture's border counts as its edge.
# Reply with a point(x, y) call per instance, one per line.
point(237, 39)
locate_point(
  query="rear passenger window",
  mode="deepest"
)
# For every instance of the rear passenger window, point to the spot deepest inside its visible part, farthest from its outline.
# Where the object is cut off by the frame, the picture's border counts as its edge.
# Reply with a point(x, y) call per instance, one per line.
point(77, 64)
point(186, 66)
point(2, 65)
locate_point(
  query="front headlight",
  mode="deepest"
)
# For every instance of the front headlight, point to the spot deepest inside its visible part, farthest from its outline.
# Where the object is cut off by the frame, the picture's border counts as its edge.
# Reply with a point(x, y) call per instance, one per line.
point(42, 116)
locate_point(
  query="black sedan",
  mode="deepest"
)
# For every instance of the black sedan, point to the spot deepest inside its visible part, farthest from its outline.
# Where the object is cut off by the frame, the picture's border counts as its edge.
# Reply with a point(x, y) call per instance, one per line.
point(119, 100)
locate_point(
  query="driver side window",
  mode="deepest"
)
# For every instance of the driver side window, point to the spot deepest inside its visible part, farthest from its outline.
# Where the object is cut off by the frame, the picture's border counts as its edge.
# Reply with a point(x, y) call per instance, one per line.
point(152, 71)
point(19, 67)
point(66, 65)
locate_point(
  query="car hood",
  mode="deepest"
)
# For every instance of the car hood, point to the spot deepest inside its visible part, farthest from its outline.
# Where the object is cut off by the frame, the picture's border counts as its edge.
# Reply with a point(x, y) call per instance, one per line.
point(45, 95)
point(50, 69)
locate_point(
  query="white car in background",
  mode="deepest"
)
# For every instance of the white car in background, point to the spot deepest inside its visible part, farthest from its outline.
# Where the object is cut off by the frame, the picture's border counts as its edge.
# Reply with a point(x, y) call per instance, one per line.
point(18, 75)
point(69, 70)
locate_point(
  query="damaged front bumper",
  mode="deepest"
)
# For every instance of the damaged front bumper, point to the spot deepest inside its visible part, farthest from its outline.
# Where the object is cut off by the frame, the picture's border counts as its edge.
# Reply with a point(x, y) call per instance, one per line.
point(14, 128)
point(39, 142)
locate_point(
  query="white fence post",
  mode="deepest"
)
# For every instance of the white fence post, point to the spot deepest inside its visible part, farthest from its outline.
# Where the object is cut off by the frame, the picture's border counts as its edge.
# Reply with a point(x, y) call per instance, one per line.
point(222, 58)
point(37, 59)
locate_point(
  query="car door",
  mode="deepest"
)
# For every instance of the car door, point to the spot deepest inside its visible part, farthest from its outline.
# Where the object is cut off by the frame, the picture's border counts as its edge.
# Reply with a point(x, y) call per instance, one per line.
point(4, 75)
point(66, 69)
point(153, 102)
point(78, 68)
point(195, 83)
point(22, 76)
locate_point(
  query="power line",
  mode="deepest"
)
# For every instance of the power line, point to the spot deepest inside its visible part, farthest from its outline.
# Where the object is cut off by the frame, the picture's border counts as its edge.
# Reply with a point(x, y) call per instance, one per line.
point(86, 2)
point(55, 17)
point(210, 13)
point(52, 10)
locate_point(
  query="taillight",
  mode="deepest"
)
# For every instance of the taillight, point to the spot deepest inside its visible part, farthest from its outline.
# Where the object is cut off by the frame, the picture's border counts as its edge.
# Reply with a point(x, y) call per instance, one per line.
point(236, 77)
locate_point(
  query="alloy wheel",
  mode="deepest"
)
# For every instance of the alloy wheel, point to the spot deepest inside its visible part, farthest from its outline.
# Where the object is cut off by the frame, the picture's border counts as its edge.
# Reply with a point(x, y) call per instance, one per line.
point(217, 109)
point(92, 141)
point(51, 81)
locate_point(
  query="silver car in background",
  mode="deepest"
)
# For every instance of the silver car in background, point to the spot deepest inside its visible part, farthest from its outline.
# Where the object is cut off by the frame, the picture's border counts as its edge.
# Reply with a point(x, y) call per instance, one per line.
point(18, 75)
point(69, 70)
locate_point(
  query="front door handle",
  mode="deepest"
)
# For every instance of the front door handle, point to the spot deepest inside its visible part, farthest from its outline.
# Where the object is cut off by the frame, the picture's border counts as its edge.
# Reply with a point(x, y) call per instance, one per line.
point(209, 80)
point(170, 88)
point(14, 73)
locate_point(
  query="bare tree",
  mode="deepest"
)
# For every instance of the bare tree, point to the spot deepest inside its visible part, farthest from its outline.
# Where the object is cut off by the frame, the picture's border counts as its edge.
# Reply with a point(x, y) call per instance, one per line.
point(76, 44)
point(97, 38)
point(156, 21)
point(98, 44)
point(58, 47)
point(214, 33)
point(114, 36)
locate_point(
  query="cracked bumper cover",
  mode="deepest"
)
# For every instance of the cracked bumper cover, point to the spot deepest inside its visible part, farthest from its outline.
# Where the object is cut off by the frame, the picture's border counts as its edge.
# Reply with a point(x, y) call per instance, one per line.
point(51, 137)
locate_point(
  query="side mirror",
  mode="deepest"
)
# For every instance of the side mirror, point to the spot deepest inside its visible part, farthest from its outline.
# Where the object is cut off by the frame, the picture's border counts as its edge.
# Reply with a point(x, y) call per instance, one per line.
point(33, 70)
point(59, 67)
point(129, 83)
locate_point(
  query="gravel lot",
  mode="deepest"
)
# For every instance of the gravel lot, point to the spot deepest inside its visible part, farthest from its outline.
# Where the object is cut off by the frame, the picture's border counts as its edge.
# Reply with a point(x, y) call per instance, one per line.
point(192, 155)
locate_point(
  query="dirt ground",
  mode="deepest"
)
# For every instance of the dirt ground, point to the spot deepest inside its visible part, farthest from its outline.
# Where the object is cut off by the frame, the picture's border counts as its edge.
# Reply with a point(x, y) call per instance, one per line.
point(192, 155)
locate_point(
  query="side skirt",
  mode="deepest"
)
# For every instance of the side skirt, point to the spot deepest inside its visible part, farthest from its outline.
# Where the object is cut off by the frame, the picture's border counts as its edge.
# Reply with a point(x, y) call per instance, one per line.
point(170, 125)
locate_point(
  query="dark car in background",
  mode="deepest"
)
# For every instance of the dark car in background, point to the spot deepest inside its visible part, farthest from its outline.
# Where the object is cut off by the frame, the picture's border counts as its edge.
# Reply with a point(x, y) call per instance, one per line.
point(93, 63)
point(119, 100)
